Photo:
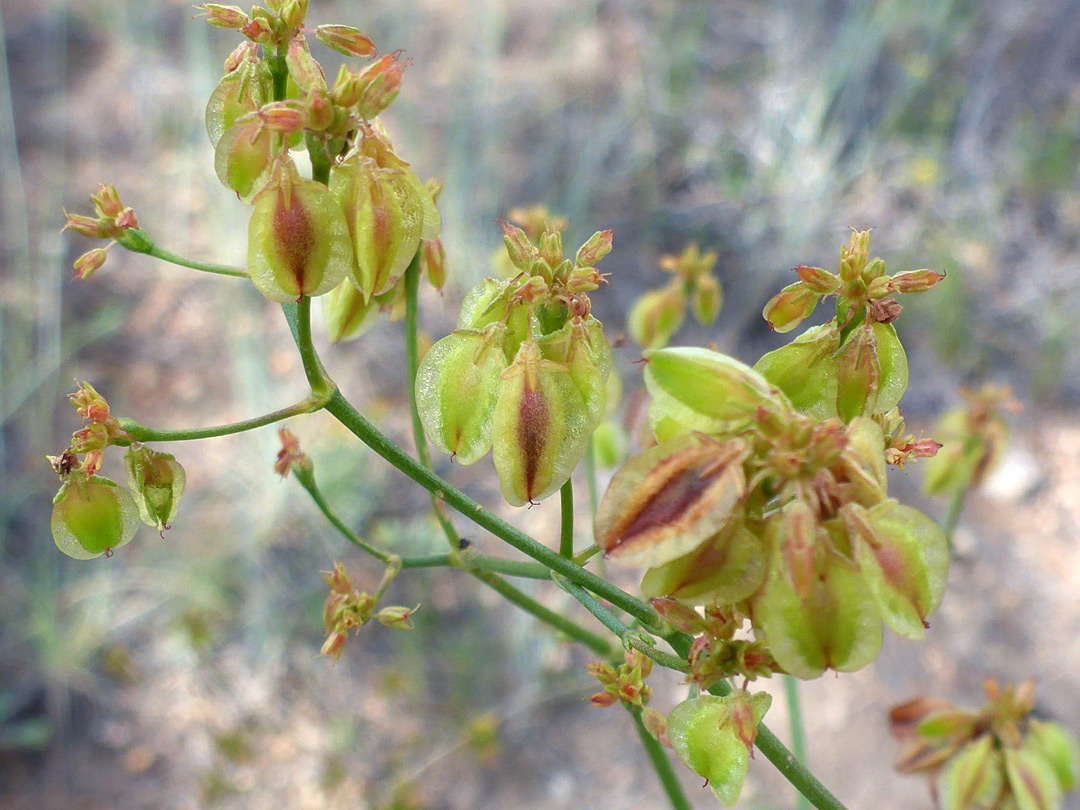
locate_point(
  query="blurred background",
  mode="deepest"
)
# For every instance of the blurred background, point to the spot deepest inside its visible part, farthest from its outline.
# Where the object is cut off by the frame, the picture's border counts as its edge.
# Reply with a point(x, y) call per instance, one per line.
point(184, 672)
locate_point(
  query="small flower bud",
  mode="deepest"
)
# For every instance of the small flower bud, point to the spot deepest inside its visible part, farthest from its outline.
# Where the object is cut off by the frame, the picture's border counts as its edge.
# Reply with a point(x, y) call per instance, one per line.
point(291, 458)
point(89, 404)
point(90, 262)
point(381, 83)
point(126, 220)
point(551, 248)
point(221, 16)
point(602, 700)
point(86, 226)
point(334, 644)
point(818, 280)
point(433, 262)
point(397, 617)
point(683, 618)
point(656, 724)
point(521, 251)
point(884, 310)
point(914, 281)
point(303, 69)
point(790, 307)
point(293, 13)
point(258, 30)
point(346, 40)
point(245, 52)
point(284, 117)
point(596, 248)
point(707, 299)
point(107, 201)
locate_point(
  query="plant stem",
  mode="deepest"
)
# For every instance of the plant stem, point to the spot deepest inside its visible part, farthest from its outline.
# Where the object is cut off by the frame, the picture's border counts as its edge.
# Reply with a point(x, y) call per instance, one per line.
point(514, 568)
point(631, 639)
point(661, 764)
point(142, 433)
point(566, 529)
point(313, 370)
point(952, 517)
point(142, 243)
point(798, 736)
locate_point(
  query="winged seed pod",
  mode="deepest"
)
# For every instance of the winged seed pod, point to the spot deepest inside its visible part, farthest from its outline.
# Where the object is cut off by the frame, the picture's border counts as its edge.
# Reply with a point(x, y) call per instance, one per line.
point(92, 516)
point(385, 215)
point(657, 315)
point(298, 242)
point(346, 314)
point(1057, 745)
point(836, 625)
point(541, 427)
point(157, 480)
point(1032, 780)
point(666, 502)
point(583, 349)
point(973, 778)
point(244, 157)
point(805, 370)
point(726, 569)
point(240, 92)
point(713, 735)
point(458, 384)
point(904, 558)
point(705, 390)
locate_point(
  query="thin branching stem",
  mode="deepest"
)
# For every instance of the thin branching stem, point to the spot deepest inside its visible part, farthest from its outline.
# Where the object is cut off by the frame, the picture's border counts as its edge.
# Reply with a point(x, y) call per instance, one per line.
point(144, 244)
point(798, 735)
point(669, 781)
point(566, 526)
point(142, 433)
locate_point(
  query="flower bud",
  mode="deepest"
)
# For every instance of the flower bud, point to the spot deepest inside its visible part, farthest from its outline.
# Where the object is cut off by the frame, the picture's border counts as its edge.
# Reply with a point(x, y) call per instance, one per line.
point(385, 216)
point(596, 248)
point(904, 558)
point(157, 480)
point(835, 626)
point(293, 13)
point(521, 251)
point(107, 201)
point(551, 248)
point(666, 502)
point(458, 385)
point(304, 70)
point(818, 280)
point(656, 724)
point(705, 390)
point(656, 316)
point(346, 314)
point(707, 738)
point(707, 299)
point(726, 569)
point(221, 16)
point(397, 617)
point(92, 516)
point(541, 428)
point(790, 307)
point(682, 618)
point(90, 262)
point(259, 30)
point(346, 40)
point(244, 157)
point(854, 255)
point(86, 226)
point(805, 370)
point(298, 241)
point(290, 458)
point(973, 777)
point(380, 84)
point(433, 262)
point(914, 281)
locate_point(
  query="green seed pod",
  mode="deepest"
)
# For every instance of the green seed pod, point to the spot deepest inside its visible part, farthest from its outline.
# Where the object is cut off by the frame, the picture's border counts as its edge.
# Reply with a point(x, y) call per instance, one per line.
point(705, 390)
point(1059, 747)
point(298, 242)
point(806, 371)
point(790, 307)
point(238, 93)
point(666, 502)
point(858, 375)
point(244, 157)
point(892, 360)
point(707, 299)
point(727, 569)
point(385, 216)
point(664, 427)
point(457, 388)
point(541, 427)
point(656, 316)
point(904, 557)
point(583, 349)
point(706, 736)
point(835, 626)
point(973, 778)
point(91, 516)
point(1032, 780)
point(157, 480)
point(347, 314)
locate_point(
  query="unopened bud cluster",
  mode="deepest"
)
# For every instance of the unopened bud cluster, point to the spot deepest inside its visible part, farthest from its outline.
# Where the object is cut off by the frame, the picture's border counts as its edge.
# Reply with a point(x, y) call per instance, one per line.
point(113, 220)
point(347, 608)
point(623, 684)
point(525, 373)
point(657, 315)
point(766, 495)
point(92, 515)
point(996, 758)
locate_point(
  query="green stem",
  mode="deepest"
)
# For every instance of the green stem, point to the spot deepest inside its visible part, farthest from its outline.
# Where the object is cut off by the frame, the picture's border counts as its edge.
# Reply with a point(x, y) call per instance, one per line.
point(631, 639)
point(318, 381)
point(661, 764)
point(952, 517)
point(320, 160)
point(140, 242)
point(514, 568)
point(279, 70)
point(571, 629)
point(798, 736)
point(142, 433)
point(566, 529)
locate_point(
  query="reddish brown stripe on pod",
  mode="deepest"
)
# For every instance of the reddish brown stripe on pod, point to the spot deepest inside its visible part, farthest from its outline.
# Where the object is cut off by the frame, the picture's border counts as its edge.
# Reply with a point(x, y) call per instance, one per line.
point(532, 433)
point(294, 236)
